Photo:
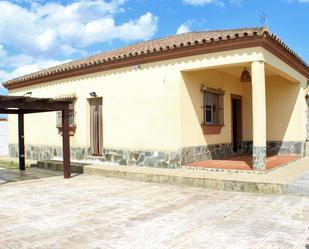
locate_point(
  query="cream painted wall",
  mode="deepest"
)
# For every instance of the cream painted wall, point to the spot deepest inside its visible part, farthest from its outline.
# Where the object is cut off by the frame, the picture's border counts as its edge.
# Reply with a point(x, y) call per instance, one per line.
point(284, 108)
point(192, 101)
point(155, 107)
point(140, 109)
point(4, 147)
point(285, 115)
point(283, 68)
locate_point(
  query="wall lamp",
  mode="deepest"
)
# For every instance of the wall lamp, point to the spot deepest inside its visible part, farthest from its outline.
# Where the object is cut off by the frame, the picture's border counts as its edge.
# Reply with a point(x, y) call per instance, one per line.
point(93, 94)
point(136, 67)
point(245, 76)
point(28, 94)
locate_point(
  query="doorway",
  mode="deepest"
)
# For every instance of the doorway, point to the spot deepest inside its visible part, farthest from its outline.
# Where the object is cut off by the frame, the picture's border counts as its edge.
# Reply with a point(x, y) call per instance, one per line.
point(96, 126)
point(236, 103)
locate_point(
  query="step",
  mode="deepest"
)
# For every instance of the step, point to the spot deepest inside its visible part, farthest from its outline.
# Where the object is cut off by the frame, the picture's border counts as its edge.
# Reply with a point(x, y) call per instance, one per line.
point(223, 181)
point(58, 165)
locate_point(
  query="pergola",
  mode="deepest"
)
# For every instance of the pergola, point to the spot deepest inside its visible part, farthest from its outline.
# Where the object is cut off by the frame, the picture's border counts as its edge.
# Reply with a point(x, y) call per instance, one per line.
point(22, 105)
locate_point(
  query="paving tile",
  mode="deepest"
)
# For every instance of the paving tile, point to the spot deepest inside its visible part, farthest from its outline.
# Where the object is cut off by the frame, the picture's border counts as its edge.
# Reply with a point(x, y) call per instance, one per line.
point(99, 212)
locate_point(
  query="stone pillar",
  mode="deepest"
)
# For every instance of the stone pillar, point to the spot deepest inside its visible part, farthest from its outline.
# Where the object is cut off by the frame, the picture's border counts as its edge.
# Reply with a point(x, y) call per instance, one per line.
point(259, 115)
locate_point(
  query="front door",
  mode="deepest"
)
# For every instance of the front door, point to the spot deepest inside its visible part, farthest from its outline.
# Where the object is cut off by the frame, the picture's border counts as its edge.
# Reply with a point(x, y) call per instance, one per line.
point(236, 102)
point(96, 126)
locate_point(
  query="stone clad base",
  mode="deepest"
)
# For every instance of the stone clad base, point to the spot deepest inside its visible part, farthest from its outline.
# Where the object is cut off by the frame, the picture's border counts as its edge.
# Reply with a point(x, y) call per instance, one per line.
point(162, 159)
point(213, 151)
point(259, 157)
point(286, 147)
point(44, 152)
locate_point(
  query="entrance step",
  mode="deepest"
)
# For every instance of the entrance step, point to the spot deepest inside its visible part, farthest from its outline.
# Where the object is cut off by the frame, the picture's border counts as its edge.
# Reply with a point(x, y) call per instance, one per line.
point(291, 179)
point(58, 165)
point(184, 178)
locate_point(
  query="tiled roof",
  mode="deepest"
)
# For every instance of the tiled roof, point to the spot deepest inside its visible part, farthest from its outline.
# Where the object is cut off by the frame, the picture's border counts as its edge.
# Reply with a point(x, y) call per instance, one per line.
point(65, 97)
point(152, 47)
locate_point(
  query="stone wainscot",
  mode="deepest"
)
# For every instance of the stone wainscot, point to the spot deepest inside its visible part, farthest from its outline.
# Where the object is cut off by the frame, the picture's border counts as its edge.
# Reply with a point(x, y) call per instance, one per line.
point(162, 159)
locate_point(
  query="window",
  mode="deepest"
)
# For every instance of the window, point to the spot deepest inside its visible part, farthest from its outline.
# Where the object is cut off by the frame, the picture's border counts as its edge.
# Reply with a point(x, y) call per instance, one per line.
point(213, 106)
point(71, 120)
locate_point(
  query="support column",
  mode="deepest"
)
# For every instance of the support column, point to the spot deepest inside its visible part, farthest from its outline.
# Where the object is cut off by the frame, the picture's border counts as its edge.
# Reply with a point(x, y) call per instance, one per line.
point(259, 115)
point(21, 142)
point(66, 143)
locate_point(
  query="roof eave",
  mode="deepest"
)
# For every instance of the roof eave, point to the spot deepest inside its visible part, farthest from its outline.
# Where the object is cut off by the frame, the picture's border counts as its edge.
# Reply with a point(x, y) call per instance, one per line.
point(267, 41)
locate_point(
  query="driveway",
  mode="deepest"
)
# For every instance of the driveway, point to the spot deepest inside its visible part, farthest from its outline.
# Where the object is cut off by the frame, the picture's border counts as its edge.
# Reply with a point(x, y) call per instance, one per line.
point(97, 212)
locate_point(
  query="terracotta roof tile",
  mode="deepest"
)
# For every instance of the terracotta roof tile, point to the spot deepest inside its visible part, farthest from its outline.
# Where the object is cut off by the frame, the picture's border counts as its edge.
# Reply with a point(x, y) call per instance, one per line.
point(154, 46)
point(65, 97)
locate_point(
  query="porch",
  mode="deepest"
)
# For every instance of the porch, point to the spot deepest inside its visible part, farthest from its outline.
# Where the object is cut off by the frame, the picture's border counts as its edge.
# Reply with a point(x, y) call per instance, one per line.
point(231, 123)
point(244, 162)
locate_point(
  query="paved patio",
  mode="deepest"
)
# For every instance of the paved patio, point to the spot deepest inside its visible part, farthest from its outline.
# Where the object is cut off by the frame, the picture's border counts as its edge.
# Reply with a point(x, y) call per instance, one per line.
point(98, 212)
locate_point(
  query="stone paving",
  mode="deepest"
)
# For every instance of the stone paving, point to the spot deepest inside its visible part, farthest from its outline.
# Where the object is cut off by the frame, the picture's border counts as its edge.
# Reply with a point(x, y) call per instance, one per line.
point(299, 185)
point(98, 212)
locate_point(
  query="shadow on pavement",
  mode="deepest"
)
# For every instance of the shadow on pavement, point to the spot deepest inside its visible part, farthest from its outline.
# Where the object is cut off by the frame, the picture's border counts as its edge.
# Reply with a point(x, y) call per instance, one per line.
point(14, 175)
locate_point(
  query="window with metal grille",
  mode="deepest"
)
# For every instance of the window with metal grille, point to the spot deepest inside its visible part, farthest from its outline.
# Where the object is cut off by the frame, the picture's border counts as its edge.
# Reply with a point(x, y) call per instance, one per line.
point(213, 107)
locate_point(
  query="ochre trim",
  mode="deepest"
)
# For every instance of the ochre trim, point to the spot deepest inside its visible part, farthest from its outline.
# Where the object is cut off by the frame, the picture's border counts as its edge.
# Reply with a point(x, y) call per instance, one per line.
point(265, 41)
point(211, 129)
point(212, 90)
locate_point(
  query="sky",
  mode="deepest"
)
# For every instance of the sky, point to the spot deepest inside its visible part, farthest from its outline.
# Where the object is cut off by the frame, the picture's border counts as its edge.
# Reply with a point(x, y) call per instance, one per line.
point(36, 34)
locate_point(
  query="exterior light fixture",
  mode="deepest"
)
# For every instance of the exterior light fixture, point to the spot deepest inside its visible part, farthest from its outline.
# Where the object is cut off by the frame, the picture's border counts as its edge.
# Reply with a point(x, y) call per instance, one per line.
point(245, 76)
point(93, 94)
point(28, 94)
point(136, 67)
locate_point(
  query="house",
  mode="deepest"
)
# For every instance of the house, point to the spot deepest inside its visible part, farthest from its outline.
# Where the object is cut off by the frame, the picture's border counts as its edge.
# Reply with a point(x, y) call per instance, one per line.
point(173, 101)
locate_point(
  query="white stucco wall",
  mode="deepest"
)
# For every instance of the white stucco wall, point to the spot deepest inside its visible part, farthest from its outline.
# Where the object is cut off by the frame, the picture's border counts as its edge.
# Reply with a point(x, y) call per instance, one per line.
point(4, 149)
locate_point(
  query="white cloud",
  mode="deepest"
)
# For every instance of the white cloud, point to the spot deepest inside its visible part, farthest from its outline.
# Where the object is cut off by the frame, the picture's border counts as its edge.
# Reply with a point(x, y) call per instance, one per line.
point(183, 28)
point(103, 30)
point(44, 28)
point(41, 32)
point(21, 64)
point(26, 68)
point(203, 2)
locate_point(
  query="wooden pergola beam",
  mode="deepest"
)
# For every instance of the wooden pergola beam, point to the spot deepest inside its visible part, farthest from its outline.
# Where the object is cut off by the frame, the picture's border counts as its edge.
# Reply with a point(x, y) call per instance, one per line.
point(9, 111)
point(51, 106)
point(23, 111)
point(20, 105)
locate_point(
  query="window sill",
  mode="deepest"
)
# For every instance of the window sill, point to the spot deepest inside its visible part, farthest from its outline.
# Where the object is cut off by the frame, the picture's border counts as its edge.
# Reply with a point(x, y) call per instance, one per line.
point(72, 129)
point(211, 129)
